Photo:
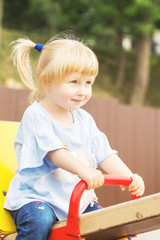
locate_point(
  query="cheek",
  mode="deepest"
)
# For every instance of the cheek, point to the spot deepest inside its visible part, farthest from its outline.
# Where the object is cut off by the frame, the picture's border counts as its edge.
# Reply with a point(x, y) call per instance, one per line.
point(66, 94)
point(89, 93)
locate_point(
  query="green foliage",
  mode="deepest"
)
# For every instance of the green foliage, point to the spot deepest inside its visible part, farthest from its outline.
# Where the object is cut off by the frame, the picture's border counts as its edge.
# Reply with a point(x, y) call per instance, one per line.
point(15, 12)
point(101, 23)
point(143, 15)
point(104, 85)
point(26, 14)
point(73, 15)
point(101, 17)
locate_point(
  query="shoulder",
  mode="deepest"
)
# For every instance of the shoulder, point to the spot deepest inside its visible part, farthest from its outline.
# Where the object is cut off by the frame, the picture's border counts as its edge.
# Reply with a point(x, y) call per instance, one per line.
point(35, 117)
point(35, 112)
point(81, 113)
point(84, 117)
point(35, 121)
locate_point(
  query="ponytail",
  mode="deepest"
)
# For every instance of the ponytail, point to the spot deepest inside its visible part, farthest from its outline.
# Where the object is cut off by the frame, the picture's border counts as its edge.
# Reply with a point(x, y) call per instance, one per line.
point(20, 56)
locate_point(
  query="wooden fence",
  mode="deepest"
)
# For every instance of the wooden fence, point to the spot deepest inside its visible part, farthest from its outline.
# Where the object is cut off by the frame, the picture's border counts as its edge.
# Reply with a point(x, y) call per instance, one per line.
point(133, 131)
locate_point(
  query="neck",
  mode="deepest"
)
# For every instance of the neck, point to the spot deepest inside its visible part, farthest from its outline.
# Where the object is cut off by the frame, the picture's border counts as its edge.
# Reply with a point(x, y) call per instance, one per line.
point(58, 114)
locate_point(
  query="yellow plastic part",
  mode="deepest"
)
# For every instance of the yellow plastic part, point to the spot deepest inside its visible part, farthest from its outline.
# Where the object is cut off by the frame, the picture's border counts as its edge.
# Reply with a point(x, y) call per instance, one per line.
point(7, 167)
point(81, 239)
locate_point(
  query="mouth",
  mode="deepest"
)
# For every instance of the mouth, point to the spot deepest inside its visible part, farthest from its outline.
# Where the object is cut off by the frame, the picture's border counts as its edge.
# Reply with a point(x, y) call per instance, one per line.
point(77, 100)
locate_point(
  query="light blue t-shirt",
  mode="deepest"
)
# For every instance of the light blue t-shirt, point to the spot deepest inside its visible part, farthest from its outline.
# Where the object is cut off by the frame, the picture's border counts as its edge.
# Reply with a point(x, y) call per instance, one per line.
point(37, 179)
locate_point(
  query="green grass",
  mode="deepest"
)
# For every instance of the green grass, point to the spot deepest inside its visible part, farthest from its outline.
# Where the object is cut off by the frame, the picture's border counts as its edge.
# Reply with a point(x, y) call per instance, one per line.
point(105, 82)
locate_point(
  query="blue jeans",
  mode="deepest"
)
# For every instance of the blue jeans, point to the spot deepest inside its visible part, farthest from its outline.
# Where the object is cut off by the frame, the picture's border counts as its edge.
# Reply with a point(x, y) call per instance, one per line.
point(34, 220)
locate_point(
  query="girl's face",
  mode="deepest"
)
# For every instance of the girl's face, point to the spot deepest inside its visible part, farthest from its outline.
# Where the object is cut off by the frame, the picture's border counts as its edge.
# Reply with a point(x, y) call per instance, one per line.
point(73, 93)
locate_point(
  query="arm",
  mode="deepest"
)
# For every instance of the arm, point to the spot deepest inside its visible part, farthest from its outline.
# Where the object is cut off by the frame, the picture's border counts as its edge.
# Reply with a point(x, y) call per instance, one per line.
point(114, 165)
point(65, 160)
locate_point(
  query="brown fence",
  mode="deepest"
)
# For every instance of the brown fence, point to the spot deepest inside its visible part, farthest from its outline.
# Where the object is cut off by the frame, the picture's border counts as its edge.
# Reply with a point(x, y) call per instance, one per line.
point(133, 131)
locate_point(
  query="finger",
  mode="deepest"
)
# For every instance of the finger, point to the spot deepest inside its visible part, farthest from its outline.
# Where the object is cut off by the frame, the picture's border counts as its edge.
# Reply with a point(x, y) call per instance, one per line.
point(90, 187)
point(137, 180)
point(133, 187)
point(100, 180)
point(123, 188)
point(90, 184)
point(139, 191)
point(136, 185)
point(99, 183)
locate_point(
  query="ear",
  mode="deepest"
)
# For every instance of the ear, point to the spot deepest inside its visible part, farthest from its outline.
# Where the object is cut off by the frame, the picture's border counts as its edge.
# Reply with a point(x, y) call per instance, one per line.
point(45, 83)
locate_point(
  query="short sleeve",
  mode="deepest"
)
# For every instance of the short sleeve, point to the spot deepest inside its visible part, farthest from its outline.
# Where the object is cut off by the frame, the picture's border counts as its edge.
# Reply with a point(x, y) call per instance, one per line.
point(101, 147)
point(100, 144)
point(34, 139)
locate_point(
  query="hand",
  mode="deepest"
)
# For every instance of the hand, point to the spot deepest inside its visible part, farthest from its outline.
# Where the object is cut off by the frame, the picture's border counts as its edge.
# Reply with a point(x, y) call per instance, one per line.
point(94, 178)
point(137, 186)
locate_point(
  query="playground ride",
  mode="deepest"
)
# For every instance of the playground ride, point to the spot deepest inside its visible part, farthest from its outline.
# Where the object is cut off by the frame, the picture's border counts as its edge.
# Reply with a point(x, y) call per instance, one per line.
point(116, 222)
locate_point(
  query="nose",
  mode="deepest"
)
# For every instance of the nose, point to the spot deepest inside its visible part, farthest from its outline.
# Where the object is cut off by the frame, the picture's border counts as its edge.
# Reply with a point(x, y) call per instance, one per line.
point(81, 90)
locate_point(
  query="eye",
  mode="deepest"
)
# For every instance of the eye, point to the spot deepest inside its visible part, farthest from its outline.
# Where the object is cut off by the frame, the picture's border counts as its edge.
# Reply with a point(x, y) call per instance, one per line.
point(73, 81)
point(89, 83)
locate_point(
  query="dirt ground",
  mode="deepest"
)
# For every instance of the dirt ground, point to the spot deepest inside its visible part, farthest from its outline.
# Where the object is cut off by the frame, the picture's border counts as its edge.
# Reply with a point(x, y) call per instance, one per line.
point(154, 235)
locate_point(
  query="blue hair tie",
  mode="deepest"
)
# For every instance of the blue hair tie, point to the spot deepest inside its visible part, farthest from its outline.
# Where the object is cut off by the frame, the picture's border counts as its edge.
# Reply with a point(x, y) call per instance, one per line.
point(39, 47)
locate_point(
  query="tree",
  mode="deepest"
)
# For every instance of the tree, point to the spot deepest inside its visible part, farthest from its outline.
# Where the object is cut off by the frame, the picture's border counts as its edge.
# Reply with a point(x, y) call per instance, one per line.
point(51, 15)
point(27, 14)
point(97, 21)
point(143, 16)
point(73, 15)
point(142, 70)
point(119, 23)
point(15, 13)
point(1, 17)
point(109, 18)
point(138, 18)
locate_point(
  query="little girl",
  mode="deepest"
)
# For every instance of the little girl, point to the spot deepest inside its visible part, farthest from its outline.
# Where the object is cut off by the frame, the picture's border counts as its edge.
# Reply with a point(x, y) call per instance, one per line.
point(57, 142)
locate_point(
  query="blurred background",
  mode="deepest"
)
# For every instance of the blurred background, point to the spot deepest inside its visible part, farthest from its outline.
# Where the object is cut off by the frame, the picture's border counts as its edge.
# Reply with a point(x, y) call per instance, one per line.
point(124, 34)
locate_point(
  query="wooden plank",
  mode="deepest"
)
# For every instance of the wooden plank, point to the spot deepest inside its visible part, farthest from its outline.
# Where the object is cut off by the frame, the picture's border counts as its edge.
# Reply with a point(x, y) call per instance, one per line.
point(22, 102)
point(137, 142)
point(144, 163)
point(129, 218)
point(157, 150)
point(104, 113)
point(7, 104)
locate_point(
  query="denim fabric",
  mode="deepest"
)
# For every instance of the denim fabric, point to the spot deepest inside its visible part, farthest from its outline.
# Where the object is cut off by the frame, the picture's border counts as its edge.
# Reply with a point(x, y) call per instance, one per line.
point(90, 209)
point(34, 220)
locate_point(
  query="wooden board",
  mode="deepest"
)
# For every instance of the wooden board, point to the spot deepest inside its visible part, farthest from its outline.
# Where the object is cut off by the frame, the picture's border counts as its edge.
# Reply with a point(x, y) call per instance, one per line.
point(129, 218)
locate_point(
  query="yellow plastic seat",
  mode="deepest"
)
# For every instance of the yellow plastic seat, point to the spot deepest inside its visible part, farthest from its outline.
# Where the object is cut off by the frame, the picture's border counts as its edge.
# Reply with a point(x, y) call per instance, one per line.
point(7, 167)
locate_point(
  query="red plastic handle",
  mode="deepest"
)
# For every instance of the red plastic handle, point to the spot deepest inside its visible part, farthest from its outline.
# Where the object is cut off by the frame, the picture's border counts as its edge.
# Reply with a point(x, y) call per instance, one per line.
point(72, 227)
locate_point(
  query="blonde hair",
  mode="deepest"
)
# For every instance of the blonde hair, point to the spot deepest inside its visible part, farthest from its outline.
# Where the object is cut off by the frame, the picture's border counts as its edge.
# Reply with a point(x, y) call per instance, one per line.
point(58, 58)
